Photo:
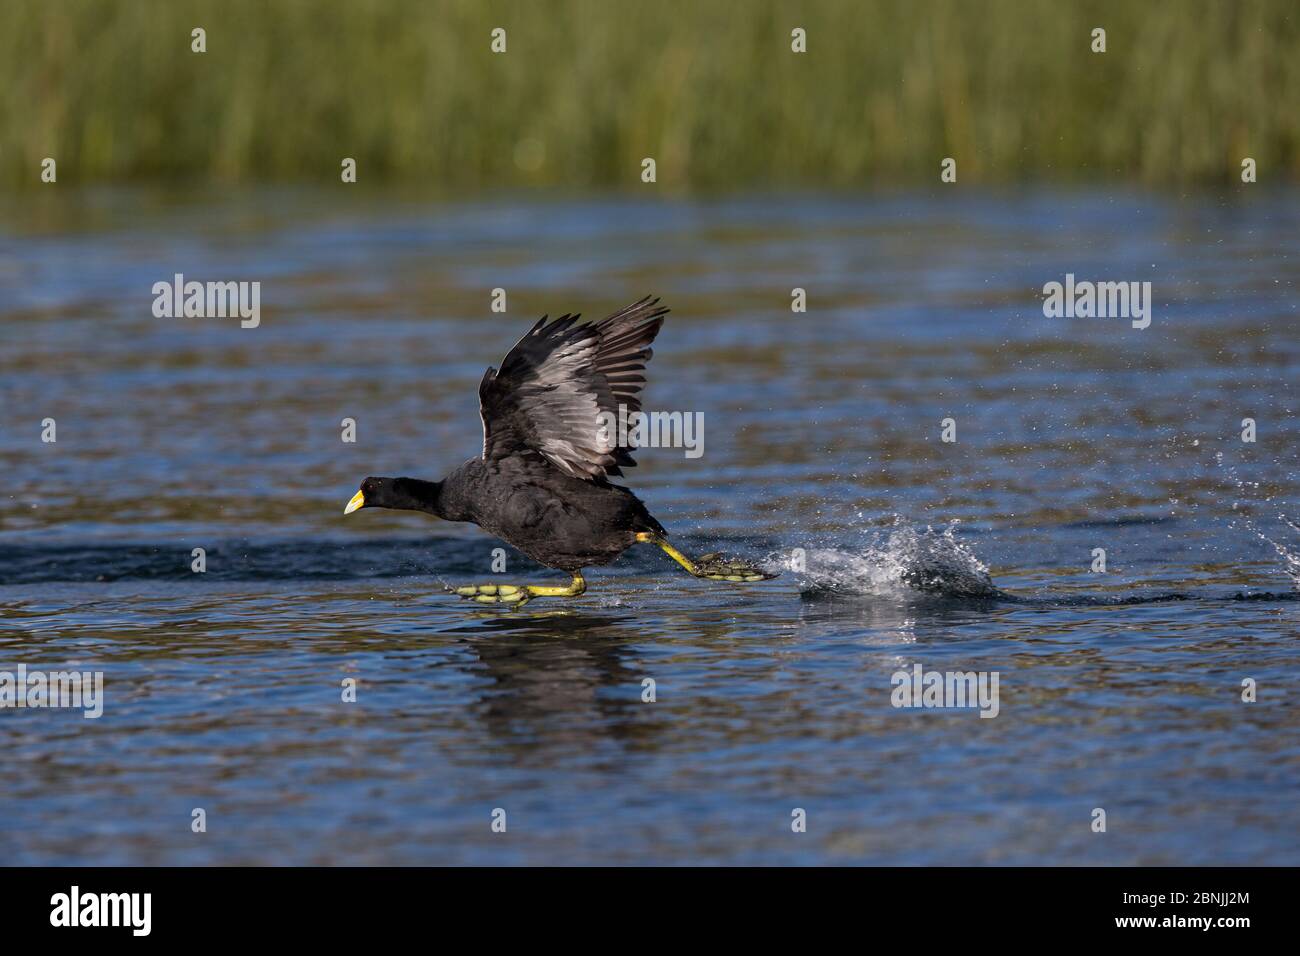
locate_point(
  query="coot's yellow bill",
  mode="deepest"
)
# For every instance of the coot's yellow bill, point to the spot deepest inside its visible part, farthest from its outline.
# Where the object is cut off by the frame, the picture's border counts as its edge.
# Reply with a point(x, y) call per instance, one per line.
point(357, 501)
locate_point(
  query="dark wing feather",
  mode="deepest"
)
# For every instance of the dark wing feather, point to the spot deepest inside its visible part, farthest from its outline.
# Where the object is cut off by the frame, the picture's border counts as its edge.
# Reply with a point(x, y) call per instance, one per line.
point(560, 380)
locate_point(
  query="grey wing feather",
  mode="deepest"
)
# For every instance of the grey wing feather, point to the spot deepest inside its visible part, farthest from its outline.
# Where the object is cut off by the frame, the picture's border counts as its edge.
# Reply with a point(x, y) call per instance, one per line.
point(562, 384)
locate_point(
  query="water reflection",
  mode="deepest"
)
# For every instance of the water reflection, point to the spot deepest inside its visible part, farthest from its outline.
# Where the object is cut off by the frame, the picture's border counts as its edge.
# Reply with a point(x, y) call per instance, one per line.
point(560, 680)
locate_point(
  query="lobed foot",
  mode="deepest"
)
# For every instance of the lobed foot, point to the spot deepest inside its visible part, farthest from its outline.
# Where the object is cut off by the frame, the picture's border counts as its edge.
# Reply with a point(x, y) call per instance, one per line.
point(517, 595)
point(715, 567)
point(513, 594)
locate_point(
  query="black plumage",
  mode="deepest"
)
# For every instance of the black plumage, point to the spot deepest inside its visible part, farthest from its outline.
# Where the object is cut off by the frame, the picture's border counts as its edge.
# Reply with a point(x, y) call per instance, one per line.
point(542, 481)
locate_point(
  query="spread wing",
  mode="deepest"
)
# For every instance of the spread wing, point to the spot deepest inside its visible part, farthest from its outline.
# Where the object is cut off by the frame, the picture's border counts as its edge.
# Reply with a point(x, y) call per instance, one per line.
point(561, 386)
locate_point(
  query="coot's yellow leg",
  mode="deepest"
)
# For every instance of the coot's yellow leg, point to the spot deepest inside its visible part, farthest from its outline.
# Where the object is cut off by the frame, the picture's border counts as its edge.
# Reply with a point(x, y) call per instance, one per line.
point(519, 594)
point(713, 567)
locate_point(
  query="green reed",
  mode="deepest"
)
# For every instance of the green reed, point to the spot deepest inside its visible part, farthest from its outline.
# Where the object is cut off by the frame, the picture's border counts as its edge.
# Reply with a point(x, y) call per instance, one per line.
point(710, 89)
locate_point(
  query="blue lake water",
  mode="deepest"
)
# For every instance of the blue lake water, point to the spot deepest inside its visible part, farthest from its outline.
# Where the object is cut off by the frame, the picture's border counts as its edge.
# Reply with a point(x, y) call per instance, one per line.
point(1119, 690)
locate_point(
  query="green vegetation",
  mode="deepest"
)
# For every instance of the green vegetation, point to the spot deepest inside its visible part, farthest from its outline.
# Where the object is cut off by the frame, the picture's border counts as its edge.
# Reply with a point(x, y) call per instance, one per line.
point(710, 89)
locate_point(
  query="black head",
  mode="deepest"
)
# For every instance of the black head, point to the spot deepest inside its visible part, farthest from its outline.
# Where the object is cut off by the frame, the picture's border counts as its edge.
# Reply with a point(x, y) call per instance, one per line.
point(408, 494)
point(374, 493)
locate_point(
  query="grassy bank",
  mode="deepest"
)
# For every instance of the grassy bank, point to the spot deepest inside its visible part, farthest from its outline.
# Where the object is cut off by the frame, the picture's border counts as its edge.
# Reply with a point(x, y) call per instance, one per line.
point(710, 89)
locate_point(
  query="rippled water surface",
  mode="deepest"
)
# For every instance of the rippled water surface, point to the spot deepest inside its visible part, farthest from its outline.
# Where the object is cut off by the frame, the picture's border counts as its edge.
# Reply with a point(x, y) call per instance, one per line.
point(1118, 690)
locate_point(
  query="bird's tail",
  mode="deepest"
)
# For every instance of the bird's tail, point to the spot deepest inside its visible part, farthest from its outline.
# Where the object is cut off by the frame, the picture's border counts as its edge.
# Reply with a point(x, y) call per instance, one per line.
point(713, 566)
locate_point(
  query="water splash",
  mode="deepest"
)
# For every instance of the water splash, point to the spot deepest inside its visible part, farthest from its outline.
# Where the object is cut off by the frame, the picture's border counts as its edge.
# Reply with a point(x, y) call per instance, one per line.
point(1290, 559)
point(898, 562)
point(1290, 555)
